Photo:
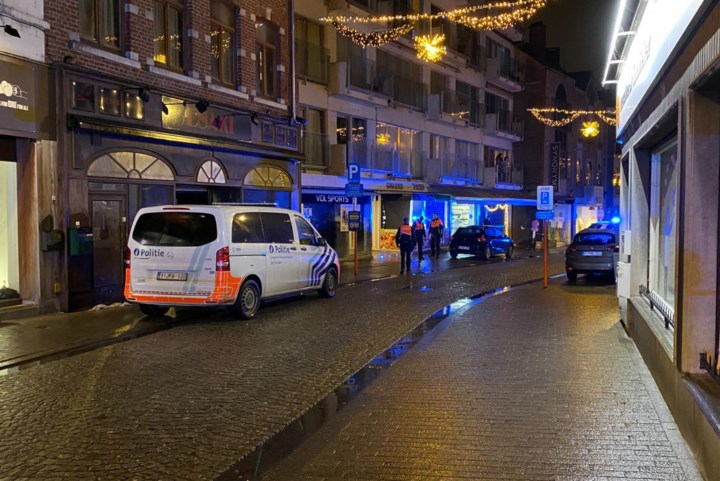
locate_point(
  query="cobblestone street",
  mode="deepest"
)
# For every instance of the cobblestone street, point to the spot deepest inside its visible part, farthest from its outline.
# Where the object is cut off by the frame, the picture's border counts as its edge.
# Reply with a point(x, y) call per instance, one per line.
point(188, 402)
point(530, 384)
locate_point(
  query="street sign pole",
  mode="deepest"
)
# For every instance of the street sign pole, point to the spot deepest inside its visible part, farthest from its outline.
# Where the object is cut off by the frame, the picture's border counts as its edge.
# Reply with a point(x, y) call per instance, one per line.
point(545, 254)
point(355, 235)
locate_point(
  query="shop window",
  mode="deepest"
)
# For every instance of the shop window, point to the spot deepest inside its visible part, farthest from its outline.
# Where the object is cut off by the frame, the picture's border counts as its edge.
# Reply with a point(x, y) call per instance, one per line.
point(109, 101)
point(268, 177)
point(211, 172)
point(100, 22)
point(266, 41)
point(168, 33)
point(83, 96)
point(663, 226)
point(222, 42)
point(130, 165)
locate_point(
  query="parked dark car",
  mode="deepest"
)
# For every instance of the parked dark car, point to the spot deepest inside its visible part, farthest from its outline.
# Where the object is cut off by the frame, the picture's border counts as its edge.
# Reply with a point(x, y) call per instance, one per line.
point(483, 241)
point(592, 251)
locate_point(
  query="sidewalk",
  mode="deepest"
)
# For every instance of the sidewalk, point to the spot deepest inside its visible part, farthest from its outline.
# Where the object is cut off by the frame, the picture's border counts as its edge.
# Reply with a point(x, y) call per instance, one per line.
point(46, 337)
point(531, 384)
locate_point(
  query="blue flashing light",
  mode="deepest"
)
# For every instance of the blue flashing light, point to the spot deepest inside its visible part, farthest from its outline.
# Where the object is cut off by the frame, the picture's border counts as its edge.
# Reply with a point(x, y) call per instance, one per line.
point(615, 219)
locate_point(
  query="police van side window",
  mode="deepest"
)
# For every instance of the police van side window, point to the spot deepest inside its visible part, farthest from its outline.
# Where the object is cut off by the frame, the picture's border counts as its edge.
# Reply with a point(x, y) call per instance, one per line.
point(305, 232)
point(247, 228)
point(277, 228)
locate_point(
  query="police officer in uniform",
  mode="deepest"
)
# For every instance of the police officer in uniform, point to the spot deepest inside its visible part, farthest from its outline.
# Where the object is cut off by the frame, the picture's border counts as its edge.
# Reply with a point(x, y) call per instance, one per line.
point(404, 240)
point(419, 232)
point(436, 232)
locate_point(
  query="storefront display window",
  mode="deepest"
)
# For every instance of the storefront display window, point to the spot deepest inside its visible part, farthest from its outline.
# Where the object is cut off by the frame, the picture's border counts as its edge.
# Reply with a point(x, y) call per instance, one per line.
point(663, 206)
point(9, 268)
point(462, 215)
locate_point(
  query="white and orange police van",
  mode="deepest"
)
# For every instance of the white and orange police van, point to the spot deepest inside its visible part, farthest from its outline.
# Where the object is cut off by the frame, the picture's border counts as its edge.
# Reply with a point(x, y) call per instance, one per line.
point(233, 255)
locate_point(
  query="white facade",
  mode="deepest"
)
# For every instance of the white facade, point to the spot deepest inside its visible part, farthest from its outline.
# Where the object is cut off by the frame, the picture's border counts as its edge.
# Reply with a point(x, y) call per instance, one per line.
point(25, 16)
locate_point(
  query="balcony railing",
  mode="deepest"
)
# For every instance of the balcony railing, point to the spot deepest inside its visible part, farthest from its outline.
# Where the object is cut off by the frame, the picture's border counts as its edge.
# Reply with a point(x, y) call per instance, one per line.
point(504, 176)
point(397, 163)
point(504, 122)
point(504, 72)
point(461, 166)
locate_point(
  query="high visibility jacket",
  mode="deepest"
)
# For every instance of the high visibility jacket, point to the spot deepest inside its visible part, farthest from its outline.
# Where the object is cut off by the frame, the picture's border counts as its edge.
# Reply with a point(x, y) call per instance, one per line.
point(403, 238)
point(419, 228)
point(436, 227)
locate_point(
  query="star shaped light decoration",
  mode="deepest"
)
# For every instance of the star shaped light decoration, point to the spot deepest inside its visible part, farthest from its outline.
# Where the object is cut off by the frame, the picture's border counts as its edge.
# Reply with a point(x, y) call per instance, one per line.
point(430, 48)
point(590, 129)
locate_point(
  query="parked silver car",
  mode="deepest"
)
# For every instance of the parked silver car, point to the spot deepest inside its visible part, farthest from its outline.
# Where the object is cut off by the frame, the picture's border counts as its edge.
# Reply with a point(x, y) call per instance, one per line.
point(592, 251)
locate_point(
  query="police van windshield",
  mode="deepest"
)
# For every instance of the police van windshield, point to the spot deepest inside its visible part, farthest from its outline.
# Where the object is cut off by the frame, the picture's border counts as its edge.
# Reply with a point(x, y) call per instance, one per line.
point(182, 229)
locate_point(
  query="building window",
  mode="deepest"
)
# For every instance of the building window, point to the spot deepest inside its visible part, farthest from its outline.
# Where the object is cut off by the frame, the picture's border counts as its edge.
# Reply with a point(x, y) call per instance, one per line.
point(130, 165)
point(168, 33)
point(266, 40)
point(495, 50)
point(500, 106)
point(211, 172)
point(222, 42)
point(100, 22)
point(358, 142)
point(310, 53)
point(663, 228)
point(315, 137)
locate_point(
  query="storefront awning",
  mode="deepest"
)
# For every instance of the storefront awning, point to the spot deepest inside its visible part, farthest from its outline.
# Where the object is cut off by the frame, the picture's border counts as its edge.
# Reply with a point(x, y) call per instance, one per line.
point(477, 194)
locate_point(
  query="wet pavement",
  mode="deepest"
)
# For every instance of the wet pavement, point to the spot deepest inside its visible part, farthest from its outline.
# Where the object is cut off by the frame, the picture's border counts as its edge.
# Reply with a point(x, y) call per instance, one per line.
point(530, 384)
point(26, 342)
point(189, 402)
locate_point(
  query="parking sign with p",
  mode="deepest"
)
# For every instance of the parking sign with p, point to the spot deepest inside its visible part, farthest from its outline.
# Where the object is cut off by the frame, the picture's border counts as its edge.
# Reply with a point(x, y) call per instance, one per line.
point(353, 172)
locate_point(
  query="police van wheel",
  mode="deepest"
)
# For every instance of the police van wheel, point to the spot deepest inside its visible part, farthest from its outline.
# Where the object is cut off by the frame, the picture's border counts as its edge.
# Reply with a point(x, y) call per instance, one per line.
point(153, 311)
point(248, 300)
point(329, 285)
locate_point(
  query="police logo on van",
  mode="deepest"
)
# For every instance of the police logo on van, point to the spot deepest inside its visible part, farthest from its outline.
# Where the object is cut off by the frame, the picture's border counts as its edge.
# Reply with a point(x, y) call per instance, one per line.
point(279, 249)
point(137, 252)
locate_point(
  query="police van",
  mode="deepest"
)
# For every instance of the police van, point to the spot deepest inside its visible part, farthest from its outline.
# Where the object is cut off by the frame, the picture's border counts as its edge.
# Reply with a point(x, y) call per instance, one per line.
point(236, 256)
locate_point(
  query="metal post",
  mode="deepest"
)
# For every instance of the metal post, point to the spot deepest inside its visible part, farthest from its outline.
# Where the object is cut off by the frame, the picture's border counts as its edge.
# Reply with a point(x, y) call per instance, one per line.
point(545, 254)
point(355, 253)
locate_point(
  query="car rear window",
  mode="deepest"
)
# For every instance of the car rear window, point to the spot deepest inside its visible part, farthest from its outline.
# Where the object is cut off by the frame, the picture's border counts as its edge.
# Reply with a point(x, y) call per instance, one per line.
point(182, 229)
point(599, 238)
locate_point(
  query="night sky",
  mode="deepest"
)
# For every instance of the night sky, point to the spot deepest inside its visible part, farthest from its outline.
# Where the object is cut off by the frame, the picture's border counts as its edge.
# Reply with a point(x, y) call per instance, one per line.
point(582, 30)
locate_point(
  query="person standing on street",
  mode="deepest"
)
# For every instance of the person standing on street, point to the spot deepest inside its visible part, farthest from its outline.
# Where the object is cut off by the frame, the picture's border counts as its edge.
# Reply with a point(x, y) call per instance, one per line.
point(436, 232)
point(404, 240)
point(419, 231)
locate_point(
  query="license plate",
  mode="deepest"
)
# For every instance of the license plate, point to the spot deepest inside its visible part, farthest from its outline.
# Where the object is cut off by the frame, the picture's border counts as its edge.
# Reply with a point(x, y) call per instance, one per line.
point(172, 276)
point(592, 253)
point(463, 248)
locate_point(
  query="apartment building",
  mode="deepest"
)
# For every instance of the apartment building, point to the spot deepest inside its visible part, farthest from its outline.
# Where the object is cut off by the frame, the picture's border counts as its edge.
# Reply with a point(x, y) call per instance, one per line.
point(580, 168)
point(26, 143)
point(429, 137)
point(163, 102)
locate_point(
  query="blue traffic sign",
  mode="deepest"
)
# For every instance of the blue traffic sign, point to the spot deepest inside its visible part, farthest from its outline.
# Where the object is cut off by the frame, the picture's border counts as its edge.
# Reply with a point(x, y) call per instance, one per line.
point(353, 172)
point(354, 190)
point(545, 214)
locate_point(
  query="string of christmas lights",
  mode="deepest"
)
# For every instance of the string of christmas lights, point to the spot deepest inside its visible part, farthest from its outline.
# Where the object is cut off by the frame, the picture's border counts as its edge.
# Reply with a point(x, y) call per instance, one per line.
point(522, 7)
point(568, 116)
point(375, 39)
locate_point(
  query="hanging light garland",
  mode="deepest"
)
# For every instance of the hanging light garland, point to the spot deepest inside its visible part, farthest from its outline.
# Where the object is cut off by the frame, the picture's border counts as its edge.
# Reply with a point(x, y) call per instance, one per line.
point(375, 39)
point(430, 48)
point(553, 117)
point(498, 15)
point(519, 9)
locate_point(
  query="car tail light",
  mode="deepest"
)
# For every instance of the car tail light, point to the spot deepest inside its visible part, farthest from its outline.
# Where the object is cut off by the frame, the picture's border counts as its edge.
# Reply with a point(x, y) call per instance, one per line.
point(616, 249)
point(126, 258)
point(481, 238)
point(571, 249)
point(222, 259)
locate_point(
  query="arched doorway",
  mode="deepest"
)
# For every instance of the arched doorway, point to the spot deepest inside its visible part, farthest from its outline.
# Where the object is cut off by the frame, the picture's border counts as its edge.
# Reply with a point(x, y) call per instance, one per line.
point(119, 184)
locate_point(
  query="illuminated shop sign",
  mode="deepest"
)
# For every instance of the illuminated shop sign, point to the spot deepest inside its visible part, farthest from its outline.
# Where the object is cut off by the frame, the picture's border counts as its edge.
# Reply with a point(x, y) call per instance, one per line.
point(662, 25)
point(17, 96)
